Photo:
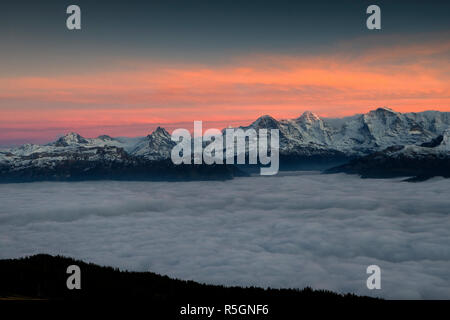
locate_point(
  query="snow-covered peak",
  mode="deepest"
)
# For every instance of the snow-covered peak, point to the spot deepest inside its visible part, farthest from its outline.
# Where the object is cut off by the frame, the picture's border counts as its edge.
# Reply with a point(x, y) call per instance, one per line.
point(69, 139)
point(308, 117)
point(265, 122)
point(311, 128)
point(155, 146)
point(160, 132)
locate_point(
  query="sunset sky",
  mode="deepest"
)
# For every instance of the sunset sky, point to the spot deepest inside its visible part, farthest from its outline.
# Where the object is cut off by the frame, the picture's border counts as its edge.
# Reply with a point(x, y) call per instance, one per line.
point(139, 64)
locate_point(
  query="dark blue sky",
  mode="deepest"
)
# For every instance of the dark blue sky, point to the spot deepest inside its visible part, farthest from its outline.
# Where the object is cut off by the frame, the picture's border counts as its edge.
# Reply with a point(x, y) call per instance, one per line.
point(34, 36)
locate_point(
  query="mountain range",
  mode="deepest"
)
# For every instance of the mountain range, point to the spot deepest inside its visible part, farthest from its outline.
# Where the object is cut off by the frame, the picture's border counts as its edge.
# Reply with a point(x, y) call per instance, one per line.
point(306, 142)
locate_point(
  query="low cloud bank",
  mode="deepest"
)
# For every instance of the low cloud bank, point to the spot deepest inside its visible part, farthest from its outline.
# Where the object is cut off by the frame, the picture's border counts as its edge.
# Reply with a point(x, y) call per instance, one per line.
point(294, 230)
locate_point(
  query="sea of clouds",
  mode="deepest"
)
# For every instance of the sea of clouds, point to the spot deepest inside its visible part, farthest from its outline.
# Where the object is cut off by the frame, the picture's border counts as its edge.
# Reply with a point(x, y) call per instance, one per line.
point(290, 230)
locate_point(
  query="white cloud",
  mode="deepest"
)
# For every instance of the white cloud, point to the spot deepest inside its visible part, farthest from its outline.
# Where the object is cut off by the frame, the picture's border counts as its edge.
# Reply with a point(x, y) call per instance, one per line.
point(282, 231)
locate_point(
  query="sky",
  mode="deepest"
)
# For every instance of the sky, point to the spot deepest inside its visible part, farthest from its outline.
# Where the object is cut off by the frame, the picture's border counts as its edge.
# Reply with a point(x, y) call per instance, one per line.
point(135, 65)
point(290, 231)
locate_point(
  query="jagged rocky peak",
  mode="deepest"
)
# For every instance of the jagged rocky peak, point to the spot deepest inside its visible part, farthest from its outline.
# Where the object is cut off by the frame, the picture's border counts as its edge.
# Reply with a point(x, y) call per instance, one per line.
point(71, 138)
point(312, 125)
point(266, 122)
point(160, 132)
point(155, 146)
point(308, 116)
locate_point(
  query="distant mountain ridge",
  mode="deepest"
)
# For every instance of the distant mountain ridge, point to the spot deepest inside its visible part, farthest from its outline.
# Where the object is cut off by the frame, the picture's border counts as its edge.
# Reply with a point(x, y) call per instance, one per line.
point(308, 138)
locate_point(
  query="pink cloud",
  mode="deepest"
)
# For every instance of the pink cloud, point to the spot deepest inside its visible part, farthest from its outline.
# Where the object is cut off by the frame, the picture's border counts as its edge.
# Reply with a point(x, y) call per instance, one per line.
point(410, 78)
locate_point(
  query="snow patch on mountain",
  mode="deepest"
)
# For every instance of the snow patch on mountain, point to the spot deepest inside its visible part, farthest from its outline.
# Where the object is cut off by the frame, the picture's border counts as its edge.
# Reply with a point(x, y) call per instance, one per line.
point(445, 143)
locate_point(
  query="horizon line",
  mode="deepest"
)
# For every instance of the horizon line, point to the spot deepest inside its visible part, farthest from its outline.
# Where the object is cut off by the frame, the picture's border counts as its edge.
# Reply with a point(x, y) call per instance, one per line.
point(168, 126)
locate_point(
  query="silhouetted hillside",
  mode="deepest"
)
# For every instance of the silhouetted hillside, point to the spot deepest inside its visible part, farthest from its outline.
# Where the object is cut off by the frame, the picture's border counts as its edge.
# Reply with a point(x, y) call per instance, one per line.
point(44, 277)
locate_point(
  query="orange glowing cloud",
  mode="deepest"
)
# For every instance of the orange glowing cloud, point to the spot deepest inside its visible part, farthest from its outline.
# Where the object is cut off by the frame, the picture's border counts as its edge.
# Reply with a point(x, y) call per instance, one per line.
point(413, 78)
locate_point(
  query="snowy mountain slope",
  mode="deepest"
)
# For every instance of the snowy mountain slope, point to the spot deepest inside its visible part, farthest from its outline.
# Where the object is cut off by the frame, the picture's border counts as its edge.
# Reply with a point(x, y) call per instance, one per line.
point(433, 121)
point(75, 140)
point(420, 161)
point(66, 150)
point(381, 128)
point(48, 157)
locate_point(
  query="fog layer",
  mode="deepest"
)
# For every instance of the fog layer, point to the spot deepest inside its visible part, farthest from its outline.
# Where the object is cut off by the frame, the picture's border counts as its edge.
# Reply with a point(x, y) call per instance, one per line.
point(283, 231)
